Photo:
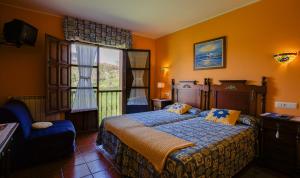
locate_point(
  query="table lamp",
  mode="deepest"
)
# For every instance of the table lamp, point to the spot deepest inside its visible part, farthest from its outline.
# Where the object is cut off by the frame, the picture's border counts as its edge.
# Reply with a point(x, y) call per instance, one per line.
point(160, 85)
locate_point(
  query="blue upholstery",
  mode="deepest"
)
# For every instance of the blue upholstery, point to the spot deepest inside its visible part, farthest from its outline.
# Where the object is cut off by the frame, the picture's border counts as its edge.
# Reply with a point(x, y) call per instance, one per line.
point(22, 115)
point(37, 145)
point(59, 127)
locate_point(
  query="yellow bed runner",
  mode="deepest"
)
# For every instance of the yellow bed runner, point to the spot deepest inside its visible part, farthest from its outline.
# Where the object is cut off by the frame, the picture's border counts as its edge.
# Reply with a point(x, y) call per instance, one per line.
point(153, 144)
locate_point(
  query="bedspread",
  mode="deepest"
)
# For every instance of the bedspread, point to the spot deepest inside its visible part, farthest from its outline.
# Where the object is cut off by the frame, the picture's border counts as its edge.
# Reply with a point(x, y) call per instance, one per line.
point(220, 151)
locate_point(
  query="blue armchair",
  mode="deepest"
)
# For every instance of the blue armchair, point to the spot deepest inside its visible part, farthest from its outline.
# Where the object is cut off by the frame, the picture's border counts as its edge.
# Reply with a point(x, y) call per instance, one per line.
point(37, 145)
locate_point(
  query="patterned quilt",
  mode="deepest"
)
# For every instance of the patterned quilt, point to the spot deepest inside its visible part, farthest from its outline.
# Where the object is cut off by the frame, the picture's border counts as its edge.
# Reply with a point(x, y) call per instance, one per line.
point(150, 119)
point(220, 151)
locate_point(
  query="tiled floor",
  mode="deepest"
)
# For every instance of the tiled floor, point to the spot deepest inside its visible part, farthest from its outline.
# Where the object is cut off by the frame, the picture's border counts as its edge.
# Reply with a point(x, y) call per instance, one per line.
point(88, 162)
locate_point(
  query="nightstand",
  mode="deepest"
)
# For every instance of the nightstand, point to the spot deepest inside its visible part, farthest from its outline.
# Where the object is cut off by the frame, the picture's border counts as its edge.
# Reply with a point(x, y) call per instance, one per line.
point(280, 143)
point(158, 104)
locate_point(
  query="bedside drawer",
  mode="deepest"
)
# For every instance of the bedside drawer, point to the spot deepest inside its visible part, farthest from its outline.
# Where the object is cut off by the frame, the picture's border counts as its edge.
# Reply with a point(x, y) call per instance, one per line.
point(269, 135)
point(283, 126)
point(278, 149)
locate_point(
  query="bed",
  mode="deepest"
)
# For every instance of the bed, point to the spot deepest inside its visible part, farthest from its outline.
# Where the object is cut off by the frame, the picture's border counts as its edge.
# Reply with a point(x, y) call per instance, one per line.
point(182, 92)
point(219, 151)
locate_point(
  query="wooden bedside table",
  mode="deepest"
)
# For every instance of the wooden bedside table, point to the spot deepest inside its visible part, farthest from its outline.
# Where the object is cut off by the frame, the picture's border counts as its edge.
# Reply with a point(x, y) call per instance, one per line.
point(280, 144)
point(158, 104)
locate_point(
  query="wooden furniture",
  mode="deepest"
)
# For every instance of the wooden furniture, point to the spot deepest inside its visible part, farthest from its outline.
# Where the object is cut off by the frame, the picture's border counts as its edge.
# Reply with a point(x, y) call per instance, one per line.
point(137, 76)
point(238, 95)
point(158, 104)
point(191, 93)
point(6, 140)
point(84, 121)
point(58, 83)
point(280, 144)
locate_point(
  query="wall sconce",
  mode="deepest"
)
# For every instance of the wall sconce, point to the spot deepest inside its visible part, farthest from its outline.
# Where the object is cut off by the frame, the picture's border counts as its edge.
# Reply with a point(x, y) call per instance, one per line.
point(285, 57)
point(164, 69)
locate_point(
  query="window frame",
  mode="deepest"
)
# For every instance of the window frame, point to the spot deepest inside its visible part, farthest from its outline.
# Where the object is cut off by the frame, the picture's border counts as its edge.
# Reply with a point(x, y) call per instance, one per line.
point(97, 66)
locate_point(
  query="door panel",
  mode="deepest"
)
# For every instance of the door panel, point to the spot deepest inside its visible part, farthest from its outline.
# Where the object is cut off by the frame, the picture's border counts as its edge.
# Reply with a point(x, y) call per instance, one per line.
point(52, 72)
point(52, 99)
point(64, 76)
point(58, 74)
point(64, 99)
point(137, 81)
point(138, 59)
point(140, 78)
point(64, 52)
point(53, 50)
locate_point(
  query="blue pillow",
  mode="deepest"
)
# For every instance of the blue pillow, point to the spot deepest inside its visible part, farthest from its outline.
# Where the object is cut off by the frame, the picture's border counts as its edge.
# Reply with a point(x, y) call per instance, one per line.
point(248, 120)
point(204, 113)
point(194, 111)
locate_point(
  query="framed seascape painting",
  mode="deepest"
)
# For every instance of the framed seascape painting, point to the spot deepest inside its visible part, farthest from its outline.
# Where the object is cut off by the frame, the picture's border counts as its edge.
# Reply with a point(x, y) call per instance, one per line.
point(210, 54)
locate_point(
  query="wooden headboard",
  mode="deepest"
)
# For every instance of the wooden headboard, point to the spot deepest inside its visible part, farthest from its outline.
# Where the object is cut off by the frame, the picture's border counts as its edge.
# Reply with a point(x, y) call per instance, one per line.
point(238, 95)
point(191, 93)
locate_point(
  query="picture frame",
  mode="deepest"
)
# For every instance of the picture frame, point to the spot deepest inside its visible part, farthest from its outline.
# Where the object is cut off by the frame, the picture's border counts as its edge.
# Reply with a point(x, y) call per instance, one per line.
point(210, 54)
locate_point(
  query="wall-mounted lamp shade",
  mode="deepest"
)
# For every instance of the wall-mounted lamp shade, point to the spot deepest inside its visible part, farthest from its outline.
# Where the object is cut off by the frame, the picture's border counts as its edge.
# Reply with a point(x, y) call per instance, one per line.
point(164, 68)
point(285, 57)
point(160, 85)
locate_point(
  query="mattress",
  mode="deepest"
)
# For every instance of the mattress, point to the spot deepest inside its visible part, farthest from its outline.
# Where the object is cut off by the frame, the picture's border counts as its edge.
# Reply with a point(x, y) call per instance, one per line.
point(151, 119)
point(220, 151)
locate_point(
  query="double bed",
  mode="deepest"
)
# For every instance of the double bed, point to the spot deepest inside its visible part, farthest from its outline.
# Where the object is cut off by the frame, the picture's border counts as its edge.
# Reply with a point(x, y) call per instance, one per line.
point(218, 151)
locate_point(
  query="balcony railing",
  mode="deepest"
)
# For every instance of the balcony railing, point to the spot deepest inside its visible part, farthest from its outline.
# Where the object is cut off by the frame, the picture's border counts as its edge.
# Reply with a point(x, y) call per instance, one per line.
point(110, 103)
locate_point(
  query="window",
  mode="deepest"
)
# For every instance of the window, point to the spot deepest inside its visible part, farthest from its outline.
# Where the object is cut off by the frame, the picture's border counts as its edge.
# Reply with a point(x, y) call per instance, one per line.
point(84, 74)
point(110, 82)
point(96, 79)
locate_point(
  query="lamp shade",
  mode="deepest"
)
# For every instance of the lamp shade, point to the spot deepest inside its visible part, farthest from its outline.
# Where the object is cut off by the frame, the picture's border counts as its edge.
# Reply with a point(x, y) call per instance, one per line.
point(160, 85)
point(285, 57)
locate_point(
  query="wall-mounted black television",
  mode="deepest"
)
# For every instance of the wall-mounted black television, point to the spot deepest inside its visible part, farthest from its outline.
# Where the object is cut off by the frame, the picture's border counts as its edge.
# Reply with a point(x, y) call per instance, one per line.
point(19, 32)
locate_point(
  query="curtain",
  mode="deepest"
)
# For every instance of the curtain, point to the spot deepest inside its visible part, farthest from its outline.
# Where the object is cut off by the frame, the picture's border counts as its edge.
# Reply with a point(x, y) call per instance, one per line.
point(86, 31)
point(85, 98)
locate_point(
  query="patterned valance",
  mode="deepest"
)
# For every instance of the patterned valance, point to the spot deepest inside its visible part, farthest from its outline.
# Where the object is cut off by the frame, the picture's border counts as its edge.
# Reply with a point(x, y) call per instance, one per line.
point(83, 30)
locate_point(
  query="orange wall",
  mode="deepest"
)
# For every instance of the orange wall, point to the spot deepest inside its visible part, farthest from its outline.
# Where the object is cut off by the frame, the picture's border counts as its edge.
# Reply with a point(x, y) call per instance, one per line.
point(254, 33)
point(22, 70)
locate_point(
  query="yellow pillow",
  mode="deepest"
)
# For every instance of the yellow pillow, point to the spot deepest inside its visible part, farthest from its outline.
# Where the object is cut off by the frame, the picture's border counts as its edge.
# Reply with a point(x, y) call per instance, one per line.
point(179, 108)
point(224, 116)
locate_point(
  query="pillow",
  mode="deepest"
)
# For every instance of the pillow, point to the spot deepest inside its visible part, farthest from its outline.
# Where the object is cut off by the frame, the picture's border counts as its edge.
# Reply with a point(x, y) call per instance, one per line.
point(168, 106)
point(248, 120)
point(41, 125)
point(204, 113)
point(179, 108)
point(194, 111)
point(224, 116)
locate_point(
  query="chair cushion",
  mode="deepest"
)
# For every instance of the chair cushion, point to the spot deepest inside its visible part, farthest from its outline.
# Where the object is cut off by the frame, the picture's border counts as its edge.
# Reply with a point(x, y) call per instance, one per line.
point(58, 128)
point(41, 125)
point(52, 142)
point(22, 115)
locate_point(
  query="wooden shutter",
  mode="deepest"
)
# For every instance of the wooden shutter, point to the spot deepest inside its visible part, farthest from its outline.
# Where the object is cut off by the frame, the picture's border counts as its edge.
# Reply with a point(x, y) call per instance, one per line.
point(58, 74)
point(137, 61)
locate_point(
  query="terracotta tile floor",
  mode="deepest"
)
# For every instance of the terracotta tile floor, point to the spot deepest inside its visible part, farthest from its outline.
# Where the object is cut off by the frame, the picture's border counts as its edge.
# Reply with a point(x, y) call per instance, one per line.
point(87, 162)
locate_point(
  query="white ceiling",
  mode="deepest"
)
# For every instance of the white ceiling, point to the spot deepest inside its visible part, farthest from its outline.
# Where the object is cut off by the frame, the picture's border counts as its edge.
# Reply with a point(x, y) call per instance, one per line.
point(150, 18)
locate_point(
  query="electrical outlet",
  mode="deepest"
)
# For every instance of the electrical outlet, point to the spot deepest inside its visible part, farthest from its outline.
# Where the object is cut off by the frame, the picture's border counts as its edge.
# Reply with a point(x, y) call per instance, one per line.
point(285, 105)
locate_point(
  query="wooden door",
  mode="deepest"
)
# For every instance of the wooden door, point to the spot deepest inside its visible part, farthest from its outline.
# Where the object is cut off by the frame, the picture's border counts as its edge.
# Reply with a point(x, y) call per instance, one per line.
point(58, 75)
point(137, 76)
